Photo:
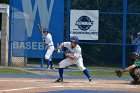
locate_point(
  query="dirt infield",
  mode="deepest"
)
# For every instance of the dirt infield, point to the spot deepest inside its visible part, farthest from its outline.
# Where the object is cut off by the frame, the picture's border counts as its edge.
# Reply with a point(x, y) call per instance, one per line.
point(32, 85)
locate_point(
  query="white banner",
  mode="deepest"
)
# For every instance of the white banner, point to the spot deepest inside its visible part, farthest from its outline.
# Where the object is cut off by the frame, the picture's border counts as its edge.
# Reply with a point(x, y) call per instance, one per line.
point(84, 24)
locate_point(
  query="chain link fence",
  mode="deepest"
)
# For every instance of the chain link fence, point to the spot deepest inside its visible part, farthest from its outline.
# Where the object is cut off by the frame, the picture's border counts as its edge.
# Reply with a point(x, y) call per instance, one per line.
point(107, 51)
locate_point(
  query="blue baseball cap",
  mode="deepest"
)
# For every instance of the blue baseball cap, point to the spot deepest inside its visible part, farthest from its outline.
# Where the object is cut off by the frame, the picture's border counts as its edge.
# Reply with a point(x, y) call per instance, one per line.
point(74, 38)
point(45, 30)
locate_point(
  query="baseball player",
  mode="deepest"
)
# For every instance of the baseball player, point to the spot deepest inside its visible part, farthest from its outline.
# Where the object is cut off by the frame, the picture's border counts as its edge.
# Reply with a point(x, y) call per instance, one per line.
point(50, 48)
point(136, 43)
point(134, 69)
point(73, 57)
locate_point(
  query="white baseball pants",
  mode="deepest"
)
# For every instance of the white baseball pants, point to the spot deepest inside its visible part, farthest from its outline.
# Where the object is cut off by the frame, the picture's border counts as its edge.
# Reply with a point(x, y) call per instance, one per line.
point(67, 62)
point(49, 52)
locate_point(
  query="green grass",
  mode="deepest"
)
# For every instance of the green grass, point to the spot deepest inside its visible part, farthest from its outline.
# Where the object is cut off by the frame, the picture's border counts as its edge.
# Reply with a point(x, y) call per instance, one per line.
point(6, 70)
point(93, 73)
point(97, 71)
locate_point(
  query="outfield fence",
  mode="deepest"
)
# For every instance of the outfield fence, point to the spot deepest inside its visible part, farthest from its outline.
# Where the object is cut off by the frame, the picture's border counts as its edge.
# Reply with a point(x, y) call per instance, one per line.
point(118, 22)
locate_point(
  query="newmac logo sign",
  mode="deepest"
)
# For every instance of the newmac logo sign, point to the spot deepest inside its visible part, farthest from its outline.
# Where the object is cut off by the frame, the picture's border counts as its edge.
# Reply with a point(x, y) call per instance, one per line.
point(84, 24)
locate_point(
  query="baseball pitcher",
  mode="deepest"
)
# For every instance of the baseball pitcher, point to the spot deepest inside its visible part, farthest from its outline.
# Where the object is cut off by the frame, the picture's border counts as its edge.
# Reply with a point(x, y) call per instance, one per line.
point(74, 56)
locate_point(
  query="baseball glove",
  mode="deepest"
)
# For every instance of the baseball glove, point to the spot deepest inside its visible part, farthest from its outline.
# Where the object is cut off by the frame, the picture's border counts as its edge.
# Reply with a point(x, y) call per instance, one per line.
point(119, 72)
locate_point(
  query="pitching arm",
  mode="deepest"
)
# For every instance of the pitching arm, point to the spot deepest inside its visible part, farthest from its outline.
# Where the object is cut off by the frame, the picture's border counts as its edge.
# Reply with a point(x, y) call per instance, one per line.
point(58, 50)
point(64, 44)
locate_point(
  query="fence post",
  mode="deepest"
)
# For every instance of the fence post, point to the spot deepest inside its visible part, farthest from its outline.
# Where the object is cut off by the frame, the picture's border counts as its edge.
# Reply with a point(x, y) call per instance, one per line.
point(10, 26)
point(124, 33)
point(68, 21)
point(4, 34)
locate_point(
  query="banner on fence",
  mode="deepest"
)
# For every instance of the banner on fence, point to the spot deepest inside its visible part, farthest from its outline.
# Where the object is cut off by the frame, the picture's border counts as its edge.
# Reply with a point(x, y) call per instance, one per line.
point(26, 15)
point(84, 24)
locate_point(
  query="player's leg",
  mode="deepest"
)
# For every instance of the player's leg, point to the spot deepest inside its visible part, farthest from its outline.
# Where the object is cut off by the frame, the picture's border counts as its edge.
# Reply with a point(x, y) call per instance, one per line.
point(48, 56)
point(137, 73)
point(48, 64)
point(51, 63)
point(64, 63)
point(133, 73)
point(80, 65)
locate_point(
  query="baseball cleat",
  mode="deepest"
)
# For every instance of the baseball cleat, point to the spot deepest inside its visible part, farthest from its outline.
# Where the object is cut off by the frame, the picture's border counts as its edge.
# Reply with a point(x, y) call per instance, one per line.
point(135, 82)
point(52, 67)
point(59, 80)
point(48, 68)
point(90, 80)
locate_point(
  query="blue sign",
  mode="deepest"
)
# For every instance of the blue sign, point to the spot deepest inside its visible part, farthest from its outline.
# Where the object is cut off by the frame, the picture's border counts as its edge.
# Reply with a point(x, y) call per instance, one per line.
point(26, 15)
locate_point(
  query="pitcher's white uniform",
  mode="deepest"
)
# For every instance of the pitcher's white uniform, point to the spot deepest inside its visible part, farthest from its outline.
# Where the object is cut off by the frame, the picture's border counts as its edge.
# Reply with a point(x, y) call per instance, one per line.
point(76, 51)
point(74, 56)
point(50, 46)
